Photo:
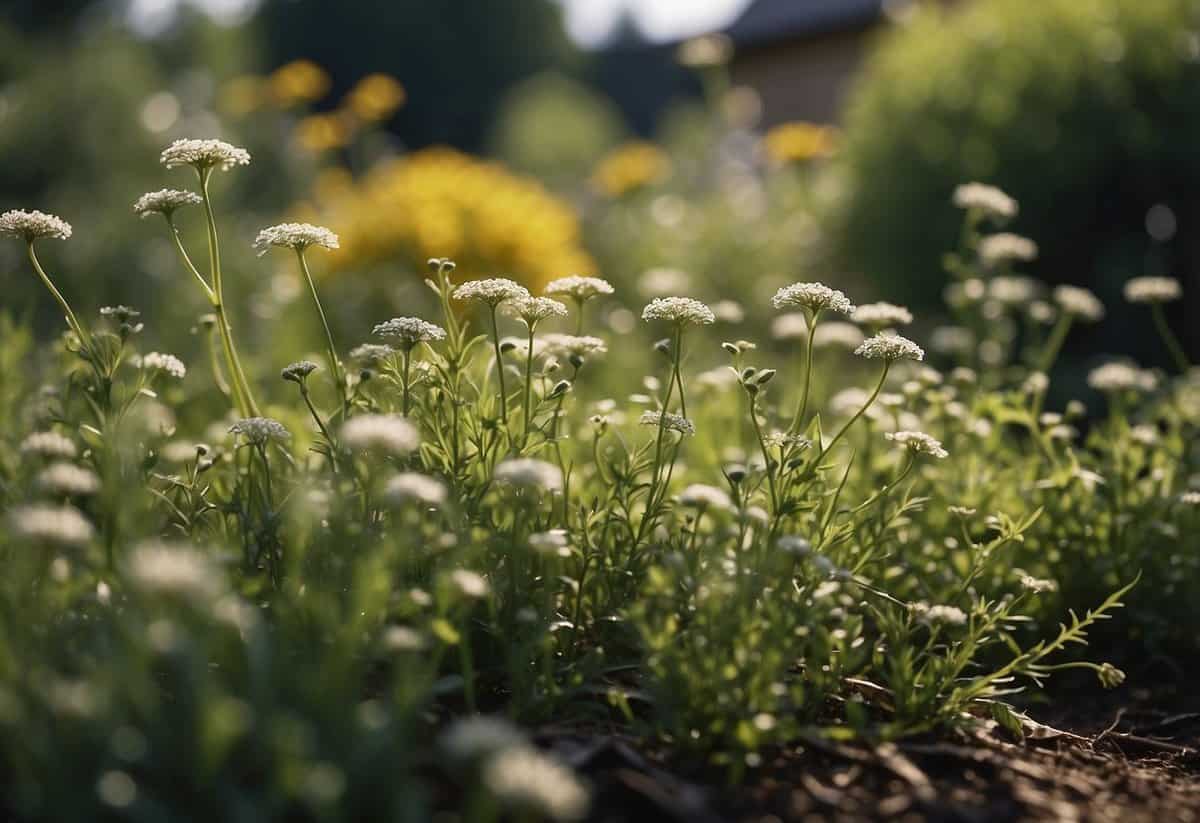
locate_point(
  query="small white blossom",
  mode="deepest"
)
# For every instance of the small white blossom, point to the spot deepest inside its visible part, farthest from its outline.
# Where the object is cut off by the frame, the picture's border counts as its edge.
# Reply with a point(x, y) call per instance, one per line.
point(728, 311)
point(1153, 290)
point(1012, 290)
point(1115, 377)
point(918, 443)
point(469, 583)
point(950, 615)
point(204, 154)
point(60, 525)
point(531, 310)
point(470, 739)
point(68, 479)
point(815, 297)
point(381, 433)
point(1004, 247)
point(846, 335)
point(32, 225)
point(492, 291)
point(259, 430)
point(881, 314)
point(165, 202)
point(1079, 302)
point(169, 363)
point(890, 347)
point(410, 331)
point(789, 325)
point(299, 371)
point(673, 422)
point(48, 444)
point(298, 236)
point(700, 496)
point(794, 545)
point(986, 199)
point(371, 353)
point(1190, 498)
point(415, 487)
point(952, 340)
point(678, 310)
point(579, 288)
point(529, 473)
point(528, 781)
point(1037, 585)
point(553, 541)
point(181, 571)
point(571, 345)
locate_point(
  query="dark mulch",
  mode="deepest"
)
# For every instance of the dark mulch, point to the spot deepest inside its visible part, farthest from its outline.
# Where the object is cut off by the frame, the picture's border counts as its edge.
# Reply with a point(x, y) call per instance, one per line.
point(1128, 756)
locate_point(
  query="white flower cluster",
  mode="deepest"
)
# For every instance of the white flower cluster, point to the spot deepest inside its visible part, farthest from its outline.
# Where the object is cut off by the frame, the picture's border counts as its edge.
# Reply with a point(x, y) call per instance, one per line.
point(492, 291)
point(890, 347)
point(1153, 290)
point(416, 488)
point(68, 480)
point(531, 783)
point(259, 430)
point(1037, 585)
point(298, 236)
point(701, 496)
point(371, 353)
point(789, 325)
point(58, 525)
point(165, 202)
point(579, 288)
point(169, 363)
point(846, 335)
point(48, 444)
point(410, 331)
point(881, 314)
point(299, 371)
point(672, 422)
point(678, 310)
point(529, 473)
point(918, 443)
point(1079, 302)
point(534, 309)
point(204, 154)
point(470, 739)
point(950, 615)
point(1012, 290)
point(815, 297)
point(1116, 377)
point(31, 225)
point(1005, 247)
point(986, 199)
point(571, 345)
point(181, 571)
point(382, 433)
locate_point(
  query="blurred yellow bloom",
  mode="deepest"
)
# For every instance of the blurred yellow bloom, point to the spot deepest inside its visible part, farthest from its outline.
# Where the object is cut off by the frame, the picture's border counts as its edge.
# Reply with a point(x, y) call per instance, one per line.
point(375, 97)
point(244, 94)
point(439, 202)
point(629, 167)
point(797, 142)
point(301, 81)
point(322, 132)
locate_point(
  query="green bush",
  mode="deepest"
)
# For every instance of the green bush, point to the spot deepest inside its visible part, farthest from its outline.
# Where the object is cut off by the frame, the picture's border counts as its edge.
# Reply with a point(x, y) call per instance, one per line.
point(1085, 110)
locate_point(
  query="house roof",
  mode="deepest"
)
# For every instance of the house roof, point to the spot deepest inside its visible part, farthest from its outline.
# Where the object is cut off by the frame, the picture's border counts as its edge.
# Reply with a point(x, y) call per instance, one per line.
point(769, 21)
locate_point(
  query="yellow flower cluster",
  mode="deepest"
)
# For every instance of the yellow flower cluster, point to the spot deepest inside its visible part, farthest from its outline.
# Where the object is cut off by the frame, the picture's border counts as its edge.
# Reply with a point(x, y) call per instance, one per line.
point(439, 202)
point(630, 167)
point(798, 142)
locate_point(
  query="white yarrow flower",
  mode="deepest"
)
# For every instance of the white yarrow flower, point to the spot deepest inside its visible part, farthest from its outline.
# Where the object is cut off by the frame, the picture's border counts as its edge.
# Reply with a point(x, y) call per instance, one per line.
point(578, 288)
point(49, 444)
point(182, 571)
point(528, 473)
point(204, 154)
point(33, 225)
point(1153, 290)
point(571, 345)
point(890, 347)
point(672, 422)
point(1117, 377)
point(881, 314)
point(789, 326)
point(492, 291)
point(470, 739)
point(526, 780)
point(1079, 302)
point(165, 202)
point(533, 309)
point(918, 443)
point(59, 525)
point(986, 199)
point(259, 430)
point(381, 433)
point(410, 331)
point(415, 487)
point(298, 236)
point(169, 363)
point(678, 310)
point(67, 479)
point(1005, 247)
point(836, 333)
point(815, 297)
point(701, 496)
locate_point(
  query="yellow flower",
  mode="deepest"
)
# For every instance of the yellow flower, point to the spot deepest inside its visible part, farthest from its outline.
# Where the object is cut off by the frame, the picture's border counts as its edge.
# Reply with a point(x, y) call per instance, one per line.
point(322, 132)
point(797, 142)
point(630, 167)
point(244, 94)
point(375, 97)
point(300, 81)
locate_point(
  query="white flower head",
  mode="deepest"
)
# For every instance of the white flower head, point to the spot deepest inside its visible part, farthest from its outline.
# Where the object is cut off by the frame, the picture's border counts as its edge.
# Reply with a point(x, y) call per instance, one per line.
point(1012, 290)
point(1153, 290)
point(181, 571)
point(33, 225)
point(58, 525)
point(678, 310)
point(531, 310)
point(298, 236)
point(470, 739)
point(1005, 247)
point(1118, 377)
point(381, 433)
point(165, 202)
point(371, 353)
point(1079, 302)
point(701, 496)
point(575, 346)
point(49, 444)
point(579, 288)
point(415, 487)
point(789, 326)
point(524, 779)
point(918, 443)
point(259, 430)
point(815, 297)
point(890, 347)
point(410, 331)
point(169, 363)
point(67, 479)
point(1190, 498)
point(529, 474)
point(470, 584)
point(491, 291)
point(204, 154)
point(1037, 585)
point(950, 615)
point(836, 333)
point(987, 200)
point(669, 421)
point(881, 315)
point(554, 541)
point(299, 371)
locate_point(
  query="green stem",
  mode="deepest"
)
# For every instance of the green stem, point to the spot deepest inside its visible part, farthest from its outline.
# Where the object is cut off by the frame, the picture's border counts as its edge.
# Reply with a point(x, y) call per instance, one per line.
point(406, 356)
point(1057, 337)
point(528, 387)
point(762, 445)
point(1169, 338)
point(499, 366)
point(72, 321)
point(335, 367)
point(870, 400)
point(798, 420)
